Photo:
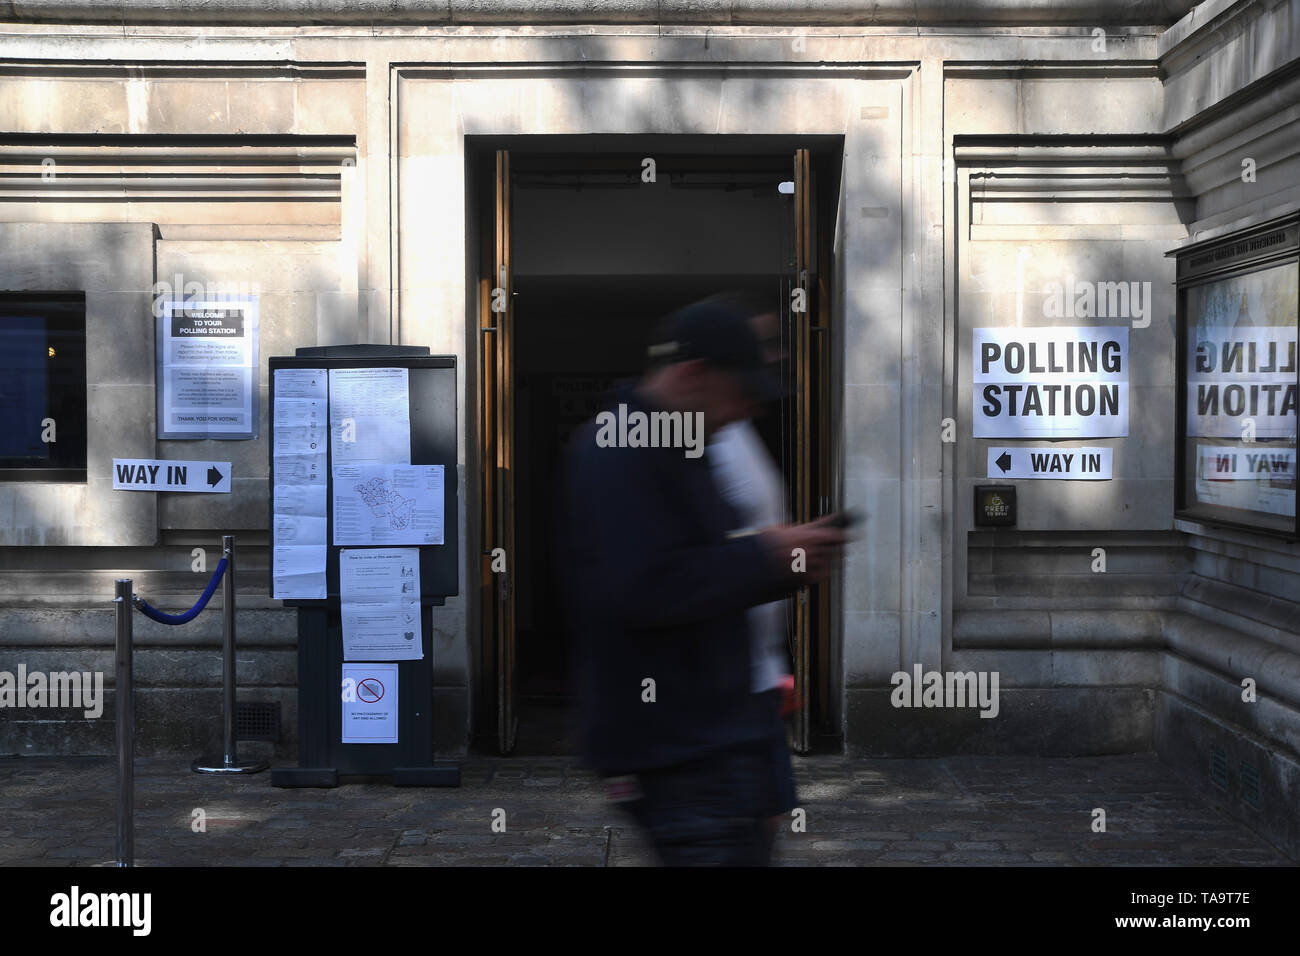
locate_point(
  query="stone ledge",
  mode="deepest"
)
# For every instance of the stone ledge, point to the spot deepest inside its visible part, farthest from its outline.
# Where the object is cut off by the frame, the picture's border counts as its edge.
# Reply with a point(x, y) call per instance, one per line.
point(49, 628)
point(1218, 646)
point(1195, 22)
point(1276, 670)
point(458, 12)
point(1061, 721)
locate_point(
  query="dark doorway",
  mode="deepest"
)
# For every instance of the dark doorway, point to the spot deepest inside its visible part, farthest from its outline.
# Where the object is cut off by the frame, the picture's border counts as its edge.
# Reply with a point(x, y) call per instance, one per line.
point(581, 253)
point(573, 345)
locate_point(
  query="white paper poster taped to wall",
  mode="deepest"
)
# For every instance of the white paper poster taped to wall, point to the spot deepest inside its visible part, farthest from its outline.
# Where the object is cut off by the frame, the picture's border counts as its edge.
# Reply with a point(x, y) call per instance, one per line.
point(299, 573)
point(1052, 382)
point(388, 504)
point(298, 497)
point(369, 703)
point(370, 416)
point(1069, 464)
point(151, 474)
point(207, 369)
point(379, 591)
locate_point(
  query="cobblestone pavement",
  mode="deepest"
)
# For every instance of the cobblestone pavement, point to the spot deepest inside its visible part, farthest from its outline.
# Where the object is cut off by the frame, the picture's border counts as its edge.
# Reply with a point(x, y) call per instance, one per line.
point(59, 811)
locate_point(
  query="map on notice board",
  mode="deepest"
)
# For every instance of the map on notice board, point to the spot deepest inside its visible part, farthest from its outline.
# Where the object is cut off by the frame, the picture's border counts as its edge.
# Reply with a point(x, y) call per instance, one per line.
point(388, 504)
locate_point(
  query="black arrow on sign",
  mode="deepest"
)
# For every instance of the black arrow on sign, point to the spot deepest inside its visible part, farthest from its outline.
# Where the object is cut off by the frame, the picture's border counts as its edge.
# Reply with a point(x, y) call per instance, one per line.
point(1003, 461)
point(214, 477)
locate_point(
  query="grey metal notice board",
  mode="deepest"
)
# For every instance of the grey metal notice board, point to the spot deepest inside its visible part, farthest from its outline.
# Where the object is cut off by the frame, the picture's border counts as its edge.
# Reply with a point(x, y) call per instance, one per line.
point(322, 756)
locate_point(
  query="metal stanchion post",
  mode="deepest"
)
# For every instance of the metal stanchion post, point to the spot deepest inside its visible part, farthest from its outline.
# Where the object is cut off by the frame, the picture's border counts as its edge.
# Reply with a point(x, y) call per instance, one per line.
point(229, 762)
point(125, 691)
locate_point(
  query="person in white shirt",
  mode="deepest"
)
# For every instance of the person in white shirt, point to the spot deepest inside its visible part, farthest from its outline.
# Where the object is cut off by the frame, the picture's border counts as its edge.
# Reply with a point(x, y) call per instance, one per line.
point(746, 476)
point(750, 481)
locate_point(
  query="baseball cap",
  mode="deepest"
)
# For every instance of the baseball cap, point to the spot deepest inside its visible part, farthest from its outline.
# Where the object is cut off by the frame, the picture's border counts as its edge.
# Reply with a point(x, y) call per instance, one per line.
point(717, 330)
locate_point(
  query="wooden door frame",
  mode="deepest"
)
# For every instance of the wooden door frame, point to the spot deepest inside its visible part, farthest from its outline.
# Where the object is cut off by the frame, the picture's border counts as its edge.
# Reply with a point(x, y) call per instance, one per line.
point(825, 162)
point(494, 410)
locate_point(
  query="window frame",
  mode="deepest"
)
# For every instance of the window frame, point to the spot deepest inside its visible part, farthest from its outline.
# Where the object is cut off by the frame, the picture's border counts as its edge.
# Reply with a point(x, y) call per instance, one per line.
point(1214, 260)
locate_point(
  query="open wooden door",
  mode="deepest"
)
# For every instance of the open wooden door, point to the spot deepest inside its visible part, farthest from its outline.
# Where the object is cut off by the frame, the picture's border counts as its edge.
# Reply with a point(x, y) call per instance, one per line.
point(809, 347)
point(497, 447)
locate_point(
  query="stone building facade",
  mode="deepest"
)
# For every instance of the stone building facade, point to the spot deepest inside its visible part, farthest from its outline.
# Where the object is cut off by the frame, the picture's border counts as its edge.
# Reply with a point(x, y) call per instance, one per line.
point(960, 161)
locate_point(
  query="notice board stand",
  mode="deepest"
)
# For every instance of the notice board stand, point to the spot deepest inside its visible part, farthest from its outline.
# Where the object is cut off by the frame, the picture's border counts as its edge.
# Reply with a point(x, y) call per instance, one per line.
point(322, 756)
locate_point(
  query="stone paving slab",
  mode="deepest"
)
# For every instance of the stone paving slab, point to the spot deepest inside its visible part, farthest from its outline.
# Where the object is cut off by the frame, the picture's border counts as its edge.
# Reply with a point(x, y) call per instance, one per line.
point(59, 811)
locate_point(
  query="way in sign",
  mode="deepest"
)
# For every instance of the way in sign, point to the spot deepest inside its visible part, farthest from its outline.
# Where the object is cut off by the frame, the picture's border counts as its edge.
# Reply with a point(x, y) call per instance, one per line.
point(143, 474)
point(1076, 464)
point(1047, 462)
point(148, 474)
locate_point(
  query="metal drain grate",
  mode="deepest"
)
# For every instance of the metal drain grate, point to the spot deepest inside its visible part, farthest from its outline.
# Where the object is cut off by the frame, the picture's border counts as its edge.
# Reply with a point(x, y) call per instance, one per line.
point(1250, 784)
point(1219, 767)
point(257, 721)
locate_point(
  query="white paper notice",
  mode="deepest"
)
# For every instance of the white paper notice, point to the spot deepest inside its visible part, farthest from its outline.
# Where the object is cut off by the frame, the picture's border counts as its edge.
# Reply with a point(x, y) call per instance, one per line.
point(388, 504)
point(299, 495)
point(370, 416)
point(369, 703)
point(379, 591)
point(207, 369)
point(1067, 464)
point(299, 573)
point(1050, 382)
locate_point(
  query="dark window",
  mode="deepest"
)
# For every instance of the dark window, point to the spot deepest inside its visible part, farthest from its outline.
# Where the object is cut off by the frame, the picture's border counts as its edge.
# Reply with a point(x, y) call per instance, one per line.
point(1239, 378)
point(42, 387)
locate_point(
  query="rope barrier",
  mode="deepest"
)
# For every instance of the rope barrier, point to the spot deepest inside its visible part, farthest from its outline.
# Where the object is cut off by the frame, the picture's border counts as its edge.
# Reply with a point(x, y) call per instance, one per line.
point(149, 611)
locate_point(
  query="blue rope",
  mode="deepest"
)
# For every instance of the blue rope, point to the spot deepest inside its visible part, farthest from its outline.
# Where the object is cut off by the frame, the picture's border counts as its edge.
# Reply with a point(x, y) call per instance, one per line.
point(148, 610)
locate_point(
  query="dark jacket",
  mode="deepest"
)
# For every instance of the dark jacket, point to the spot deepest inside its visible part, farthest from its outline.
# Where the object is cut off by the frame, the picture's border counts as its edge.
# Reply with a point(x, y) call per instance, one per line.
point(657, 589)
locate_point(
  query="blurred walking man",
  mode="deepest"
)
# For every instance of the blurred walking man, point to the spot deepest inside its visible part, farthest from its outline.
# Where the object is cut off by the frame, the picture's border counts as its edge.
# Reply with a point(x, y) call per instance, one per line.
point(659, 577)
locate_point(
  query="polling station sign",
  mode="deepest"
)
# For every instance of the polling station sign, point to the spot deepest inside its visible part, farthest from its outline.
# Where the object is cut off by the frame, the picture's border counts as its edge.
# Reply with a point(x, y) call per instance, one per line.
point(147, 474)
point(1051, 382)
